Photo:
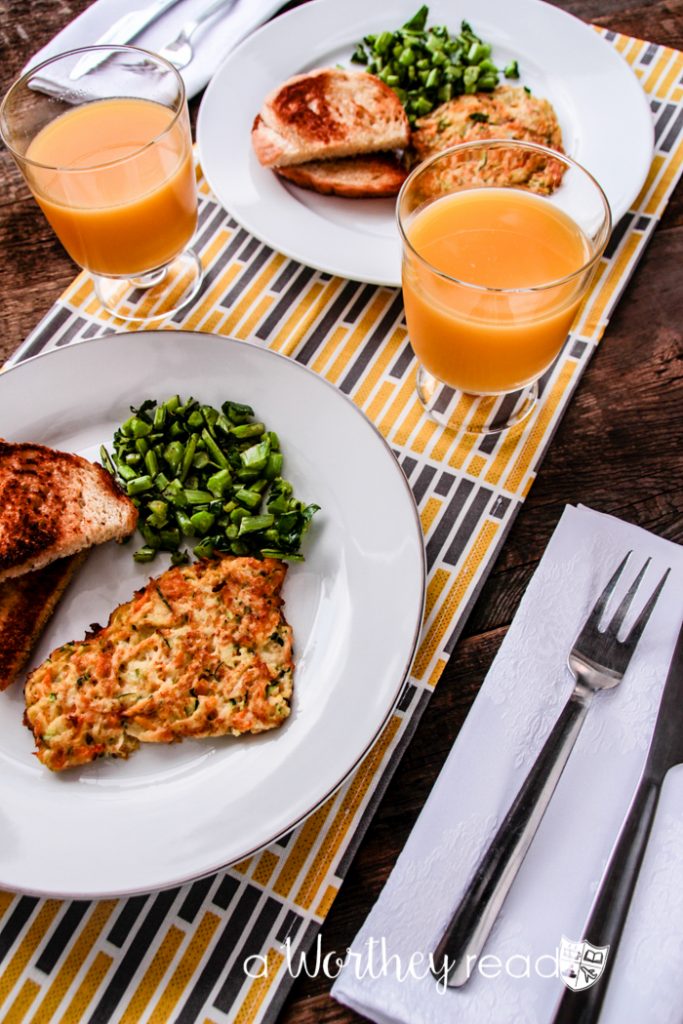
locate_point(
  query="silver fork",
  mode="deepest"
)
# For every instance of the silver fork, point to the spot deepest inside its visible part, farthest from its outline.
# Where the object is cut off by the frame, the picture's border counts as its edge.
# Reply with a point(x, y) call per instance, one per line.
point(179, 52)
point(598, 661)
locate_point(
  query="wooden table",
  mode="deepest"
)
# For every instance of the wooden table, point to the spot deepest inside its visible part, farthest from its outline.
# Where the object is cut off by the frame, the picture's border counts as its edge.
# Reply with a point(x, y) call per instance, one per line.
point(618, 449)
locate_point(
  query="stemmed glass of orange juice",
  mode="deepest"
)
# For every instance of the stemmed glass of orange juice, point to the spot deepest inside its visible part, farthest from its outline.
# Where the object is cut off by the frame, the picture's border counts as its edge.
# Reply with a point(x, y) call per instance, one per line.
point(500, 239)
point(108, 157)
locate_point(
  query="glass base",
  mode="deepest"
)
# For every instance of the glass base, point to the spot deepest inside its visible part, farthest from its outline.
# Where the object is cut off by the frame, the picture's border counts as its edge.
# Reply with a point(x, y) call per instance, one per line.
point(474, 414)
point(155, 296)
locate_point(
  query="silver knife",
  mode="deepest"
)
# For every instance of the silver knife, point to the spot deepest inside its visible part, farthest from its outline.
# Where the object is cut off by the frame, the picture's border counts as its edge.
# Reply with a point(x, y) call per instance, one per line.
point(122, 31)
point(610, 907)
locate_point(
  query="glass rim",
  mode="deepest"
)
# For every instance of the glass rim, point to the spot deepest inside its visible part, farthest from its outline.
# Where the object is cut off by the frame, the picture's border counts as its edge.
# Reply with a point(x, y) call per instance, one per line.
point(82, 50)
point(498, 143)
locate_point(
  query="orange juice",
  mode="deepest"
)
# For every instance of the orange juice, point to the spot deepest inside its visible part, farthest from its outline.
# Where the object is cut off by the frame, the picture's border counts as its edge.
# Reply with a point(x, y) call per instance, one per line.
point(491, 338)
point(118, 186)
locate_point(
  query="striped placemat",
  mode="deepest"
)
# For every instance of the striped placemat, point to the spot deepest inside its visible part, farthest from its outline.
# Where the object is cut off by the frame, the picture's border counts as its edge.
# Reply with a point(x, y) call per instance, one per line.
point(179, 955)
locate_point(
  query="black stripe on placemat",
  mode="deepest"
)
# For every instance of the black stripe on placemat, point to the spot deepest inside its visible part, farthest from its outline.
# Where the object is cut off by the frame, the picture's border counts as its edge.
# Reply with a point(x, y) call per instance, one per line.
point(131, 959)
point(247, 275)
point(252, 945)
point(225, 892)
point(333, 315)
point(371, 345)
point(288, 271)
point(466, 529)
point(444, 484)
point(366, 293)
point(198, 892)
point(210, 276)
point(649, 54)
point(403, 361)
point(208, 228)
point(282, 991)
point(289, 926)
point(15, 922)
point(280, 308)
point(126, 919)
point(422, 483)
point(220, 954)
point(408, 464)
point(250, 248)
point(71, 918)
point(500, 507)
point(673, 132)
point(43, 334)
point(71, 331)
point(406, 698)
point(663, 120)
point(617, 235)
point(448, 516)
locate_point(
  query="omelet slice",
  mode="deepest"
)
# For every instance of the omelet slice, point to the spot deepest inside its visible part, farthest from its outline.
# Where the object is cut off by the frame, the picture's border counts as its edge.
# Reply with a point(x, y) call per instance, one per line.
point(202, 650)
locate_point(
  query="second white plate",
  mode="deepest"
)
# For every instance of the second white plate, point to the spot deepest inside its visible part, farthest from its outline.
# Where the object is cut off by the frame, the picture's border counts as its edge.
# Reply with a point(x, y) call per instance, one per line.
point(603, 112)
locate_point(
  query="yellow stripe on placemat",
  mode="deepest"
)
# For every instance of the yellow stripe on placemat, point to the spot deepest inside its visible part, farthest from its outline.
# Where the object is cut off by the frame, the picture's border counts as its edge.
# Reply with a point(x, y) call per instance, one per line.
point(446, 613)
point(185, 969)
point(152, 977)
point(74, 960)
point(656, 201)
point(305, 841)
point(22, 1003)
point(85, 992)
point(28, 946)
point(342, 820)
point(259, 988)
point(5, 901)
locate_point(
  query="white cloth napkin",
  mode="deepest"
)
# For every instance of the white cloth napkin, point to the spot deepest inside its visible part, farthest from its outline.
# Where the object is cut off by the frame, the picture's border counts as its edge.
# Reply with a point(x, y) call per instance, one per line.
point(211, 44)
point(518, 703)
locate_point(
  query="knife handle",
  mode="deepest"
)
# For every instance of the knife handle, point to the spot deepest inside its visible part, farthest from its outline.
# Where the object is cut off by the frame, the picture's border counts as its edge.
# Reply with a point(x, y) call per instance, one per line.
point(464, 938)
point(610, 907)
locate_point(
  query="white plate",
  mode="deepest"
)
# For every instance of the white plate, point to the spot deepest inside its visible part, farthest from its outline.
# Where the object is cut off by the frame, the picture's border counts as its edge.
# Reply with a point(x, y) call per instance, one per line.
point(172, 813)
point(604, 115)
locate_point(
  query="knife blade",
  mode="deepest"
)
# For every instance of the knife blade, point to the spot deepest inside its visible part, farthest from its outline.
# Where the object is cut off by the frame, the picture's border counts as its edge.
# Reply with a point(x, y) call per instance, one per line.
point(666, 746)
point(122, 31)
point(611, 905)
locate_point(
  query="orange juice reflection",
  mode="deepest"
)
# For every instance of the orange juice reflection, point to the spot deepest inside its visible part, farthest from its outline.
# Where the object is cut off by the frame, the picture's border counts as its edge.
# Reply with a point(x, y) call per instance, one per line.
point(490, 339)
point(119, 188)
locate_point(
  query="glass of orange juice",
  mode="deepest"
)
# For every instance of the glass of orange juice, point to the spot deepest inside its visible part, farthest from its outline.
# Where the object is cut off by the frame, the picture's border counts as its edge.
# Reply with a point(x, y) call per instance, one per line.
point(108, 157)
point(500, 239)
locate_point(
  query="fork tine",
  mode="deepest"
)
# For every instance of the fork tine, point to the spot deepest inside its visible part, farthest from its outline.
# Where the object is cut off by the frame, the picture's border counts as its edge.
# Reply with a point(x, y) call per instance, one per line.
point(593, 620)
point(617, 620)
point(641, 622)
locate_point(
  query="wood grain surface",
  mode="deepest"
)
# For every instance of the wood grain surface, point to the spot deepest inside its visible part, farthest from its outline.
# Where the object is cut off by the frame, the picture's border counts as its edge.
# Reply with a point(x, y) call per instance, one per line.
point(618, 449)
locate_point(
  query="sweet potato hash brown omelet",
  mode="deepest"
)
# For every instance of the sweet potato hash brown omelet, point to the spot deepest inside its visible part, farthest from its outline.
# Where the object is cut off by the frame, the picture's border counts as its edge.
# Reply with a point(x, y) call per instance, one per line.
point(202, 650)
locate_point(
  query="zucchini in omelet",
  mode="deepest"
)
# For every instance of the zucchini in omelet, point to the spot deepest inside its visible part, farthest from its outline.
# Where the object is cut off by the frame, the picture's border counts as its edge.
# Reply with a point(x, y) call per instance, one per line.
point(202, 650)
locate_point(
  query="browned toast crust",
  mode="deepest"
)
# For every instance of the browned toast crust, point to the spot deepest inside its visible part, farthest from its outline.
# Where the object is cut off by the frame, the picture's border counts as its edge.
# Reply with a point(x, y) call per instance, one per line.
point(53, 504)
point(26, 604)
point(328, 113)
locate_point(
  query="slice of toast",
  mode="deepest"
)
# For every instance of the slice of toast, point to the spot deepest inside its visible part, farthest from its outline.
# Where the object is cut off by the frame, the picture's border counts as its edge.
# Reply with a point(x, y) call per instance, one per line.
point(26, 604)
point(328, 113)
point(357, 177)
point(53, 504)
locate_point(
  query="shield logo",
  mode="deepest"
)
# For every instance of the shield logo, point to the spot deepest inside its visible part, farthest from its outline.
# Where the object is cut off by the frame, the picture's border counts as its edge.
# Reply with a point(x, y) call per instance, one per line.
point(581, 963)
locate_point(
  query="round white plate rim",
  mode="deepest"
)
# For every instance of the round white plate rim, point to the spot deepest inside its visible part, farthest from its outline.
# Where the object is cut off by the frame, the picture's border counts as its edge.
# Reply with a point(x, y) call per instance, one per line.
point(166, 338)
point(288, 225)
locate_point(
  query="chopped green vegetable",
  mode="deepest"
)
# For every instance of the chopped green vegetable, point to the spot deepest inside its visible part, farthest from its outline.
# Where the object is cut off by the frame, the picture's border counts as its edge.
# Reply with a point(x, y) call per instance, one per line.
point(427, 66)
point(196, 471)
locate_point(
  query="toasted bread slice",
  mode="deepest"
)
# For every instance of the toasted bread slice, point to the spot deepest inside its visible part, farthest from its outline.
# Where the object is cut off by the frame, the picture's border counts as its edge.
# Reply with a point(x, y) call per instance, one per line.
point(203, 650)
point(356, 177)
point(26, 604)
point(328, 113)
point(53, 504)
